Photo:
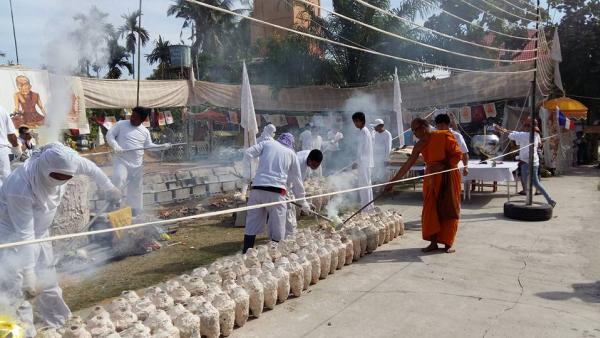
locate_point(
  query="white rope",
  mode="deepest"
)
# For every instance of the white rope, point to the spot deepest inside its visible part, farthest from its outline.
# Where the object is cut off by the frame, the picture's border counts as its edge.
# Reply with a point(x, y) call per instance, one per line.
point(232, 210)
point(494, 16)
point(370, 51)
point(157, 147)
point(518, 8)
point(389, 13)
point(397, 36)
point(476, 25)
point(509, 13)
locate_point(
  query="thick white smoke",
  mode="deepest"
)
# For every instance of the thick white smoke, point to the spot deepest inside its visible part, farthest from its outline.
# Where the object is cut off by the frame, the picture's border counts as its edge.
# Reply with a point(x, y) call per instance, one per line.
point(72, 44)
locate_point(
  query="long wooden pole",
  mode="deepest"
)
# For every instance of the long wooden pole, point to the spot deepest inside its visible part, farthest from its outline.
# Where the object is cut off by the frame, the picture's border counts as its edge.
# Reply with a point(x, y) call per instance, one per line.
point(533, 116)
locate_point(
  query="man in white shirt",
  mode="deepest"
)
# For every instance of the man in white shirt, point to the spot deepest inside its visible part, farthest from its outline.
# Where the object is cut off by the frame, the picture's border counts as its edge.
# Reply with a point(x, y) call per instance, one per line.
point(317, 143)
point(364, 159)
point(8, 144)
point(128, 168)
point(308, 160)
point(278, 169)
point(522, 138)
point(306, 139)
point(382, 147)
point(26, 141)
point(442, 122)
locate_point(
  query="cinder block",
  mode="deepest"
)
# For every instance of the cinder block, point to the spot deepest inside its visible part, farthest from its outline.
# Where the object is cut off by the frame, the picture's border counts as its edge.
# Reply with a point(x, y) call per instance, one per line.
point(183, 175)
point(211, 179)
point(164, 197)
point(221, 171)
point(187, 183)
point(159, 187)
point(201, 172)
point(199, 180)
point(214, 188)
point(182, 194)
point(173, 185)
point(239, 184)
point(153, 179)
point(168, 177)
point(199, 190)
point(229, 186)
point(227, 178)
point(148, 188)
point(148, 199)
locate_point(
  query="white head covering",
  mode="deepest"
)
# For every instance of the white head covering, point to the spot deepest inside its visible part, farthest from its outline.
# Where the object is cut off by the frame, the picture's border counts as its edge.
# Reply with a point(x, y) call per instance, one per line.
point(268, 131)
point(377, 122)
point(52, 158)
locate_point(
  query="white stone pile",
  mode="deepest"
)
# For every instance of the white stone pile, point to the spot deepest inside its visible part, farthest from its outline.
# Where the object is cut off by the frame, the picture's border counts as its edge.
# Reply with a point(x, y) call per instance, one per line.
point(211, 301)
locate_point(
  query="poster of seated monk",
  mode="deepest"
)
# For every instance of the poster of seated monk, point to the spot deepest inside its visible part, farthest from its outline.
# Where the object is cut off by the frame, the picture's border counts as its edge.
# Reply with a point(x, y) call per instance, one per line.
point(28, 107)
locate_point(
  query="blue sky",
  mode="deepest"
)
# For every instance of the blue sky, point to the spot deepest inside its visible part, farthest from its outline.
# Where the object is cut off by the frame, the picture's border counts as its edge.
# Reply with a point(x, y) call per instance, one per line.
point(35, 21)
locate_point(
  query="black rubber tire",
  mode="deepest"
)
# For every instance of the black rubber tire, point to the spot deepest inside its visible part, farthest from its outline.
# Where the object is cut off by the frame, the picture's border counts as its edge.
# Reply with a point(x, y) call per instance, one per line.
point(535, 212)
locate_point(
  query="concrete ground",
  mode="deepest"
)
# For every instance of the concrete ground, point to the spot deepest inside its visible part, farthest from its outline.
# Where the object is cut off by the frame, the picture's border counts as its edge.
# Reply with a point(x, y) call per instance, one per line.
point(507, 278)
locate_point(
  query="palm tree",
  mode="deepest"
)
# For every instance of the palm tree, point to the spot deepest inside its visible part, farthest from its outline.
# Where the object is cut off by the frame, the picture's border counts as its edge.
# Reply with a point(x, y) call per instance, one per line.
point(117, 59)
point(160, 54)
point(129, 30)
point(209, 27)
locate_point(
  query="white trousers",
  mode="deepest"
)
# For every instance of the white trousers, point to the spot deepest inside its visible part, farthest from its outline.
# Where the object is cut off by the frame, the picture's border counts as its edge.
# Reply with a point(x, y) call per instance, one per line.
point(365, 195)
point(4, 166)
point(379, 172)
point(124, 175)
point(290, 220)
point(49, 302)
point(256, 219)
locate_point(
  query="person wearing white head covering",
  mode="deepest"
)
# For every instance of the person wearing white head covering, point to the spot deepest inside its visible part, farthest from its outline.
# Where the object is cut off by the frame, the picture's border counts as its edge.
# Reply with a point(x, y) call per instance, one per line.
point(267, 134)
point(382, 147)
point(29, 199)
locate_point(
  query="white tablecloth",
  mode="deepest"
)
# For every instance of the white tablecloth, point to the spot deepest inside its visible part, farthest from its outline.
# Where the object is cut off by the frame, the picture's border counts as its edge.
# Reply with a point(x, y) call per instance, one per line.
point(502, 172)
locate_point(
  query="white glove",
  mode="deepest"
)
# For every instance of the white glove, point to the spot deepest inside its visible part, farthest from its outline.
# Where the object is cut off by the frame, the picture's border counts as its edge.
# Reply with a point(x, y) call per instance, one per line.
point(29, 281)
point(306, 208)
point(167, 145)
point(117, 149)
point(16, 151)
point(113, 195)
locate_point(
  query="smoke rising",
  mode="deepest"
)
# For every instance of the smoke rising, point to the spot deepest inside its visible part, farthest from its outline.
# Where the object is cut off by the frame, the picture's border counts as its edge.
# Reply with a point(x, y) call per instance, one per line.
point(73, 47)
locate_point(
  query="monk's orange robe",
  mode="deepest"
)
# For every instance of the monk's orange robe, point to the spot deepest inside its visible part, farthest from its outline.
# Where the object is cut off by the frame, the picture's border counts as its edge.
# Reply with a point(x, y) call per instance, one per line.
point(440, 148)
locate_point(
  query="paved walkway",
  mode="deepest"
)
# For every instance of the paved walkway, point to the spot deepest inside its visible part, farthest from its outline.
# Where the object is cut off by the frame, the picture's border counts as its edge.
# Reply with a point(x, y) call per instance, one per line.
point(507, 278)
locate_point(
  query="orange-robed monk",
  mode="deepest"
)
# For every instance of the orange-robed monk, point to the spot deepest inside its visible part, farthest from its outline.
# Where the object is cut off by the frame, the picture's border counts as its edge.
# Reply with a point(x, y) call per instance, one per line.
point(441, 152)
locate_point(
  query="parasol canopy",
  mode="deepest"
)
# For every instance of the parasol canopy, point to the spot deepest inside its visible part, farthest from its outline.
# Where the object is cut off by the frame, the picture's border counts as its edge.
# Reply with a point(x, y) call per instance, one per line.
point(573, 109)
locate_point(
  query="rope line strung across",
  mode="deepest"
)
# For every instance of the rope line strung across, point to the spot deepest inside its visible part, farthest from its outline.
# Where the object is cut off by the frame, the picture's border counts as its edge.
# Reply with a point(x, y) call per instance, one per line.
point(370, 51)
point(519, 8)
point(485, 29)
point(233, 210)
point(507, 12)
point(408, 39)
point(492, 15)
point(389, 13)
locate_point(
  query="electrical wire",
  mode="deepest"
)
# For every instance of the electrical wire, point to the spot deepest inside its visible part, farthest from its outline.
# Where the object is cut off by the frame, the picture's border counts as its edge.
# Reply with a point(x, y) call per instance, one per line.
point(410, 22)
point(476, 25)
point(370, 51)
point(408, 39)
